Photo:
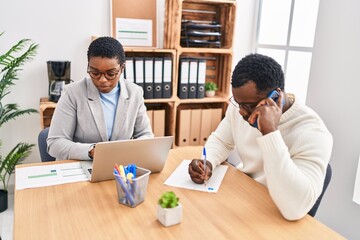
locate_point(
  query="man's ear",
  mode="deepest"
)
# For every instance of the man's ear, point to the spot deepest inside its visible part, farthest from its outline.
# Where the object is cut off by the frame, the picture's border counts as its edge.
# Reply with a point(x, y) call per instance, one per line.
point(122, 68)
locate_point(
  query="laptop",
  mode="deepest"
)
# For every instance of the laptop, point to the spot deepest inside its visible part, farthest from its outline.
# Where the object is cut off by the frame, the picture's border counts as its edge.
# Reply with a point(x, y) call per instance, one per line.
point(150, 153)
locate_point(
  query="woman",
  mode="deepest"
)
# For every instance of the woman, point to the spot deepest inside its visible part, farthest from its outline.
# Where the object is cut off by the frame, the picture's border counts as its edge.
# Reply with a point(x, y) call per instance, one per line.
point(104, 107)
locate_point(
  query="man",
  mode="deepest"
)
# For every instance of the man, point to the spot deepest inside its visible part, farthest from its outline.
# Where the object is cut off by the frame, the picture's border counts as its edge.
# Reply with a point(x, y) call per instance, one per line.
point(101, 108)
point(283, 145)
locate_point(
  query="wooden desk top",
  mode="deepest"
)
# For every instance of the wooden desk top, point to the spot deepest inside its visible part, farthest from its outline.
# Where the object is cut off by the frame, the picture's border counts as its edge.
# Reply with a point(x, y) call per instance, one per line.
point(241, 209)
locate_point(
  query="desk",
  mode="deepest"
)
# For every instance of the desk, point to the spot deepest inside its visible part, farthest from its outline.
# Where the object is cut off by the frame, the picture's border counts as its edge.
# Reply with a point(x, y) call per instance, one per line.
point(241, 209)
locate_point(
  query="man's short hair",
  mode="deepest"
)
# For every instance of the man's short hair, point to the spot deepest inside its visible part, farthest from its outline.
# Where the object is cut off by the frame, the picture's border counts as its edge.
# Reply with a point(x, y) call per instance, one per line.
point(264, 71)
point(107, 47)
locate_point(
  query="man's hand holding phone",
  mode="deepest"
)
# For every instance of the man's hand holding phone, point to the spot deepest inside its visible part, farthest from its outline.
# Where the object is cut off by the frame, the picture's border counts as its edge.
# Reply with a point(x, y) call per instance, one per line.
point(197, 173)
point(266, 116)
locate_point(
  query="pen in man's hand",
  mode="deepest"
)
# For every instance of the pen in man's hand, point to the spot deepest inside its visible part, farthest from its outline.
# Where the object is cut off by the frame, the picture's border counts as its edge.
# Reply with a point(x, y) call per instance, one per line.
point(204, 163)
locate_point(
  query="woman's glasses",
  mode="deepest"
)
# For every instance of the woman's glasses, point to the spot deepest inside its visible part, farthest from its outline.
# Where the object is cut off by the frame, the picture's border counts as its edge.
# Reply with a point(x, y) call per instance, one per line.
point(109, 75)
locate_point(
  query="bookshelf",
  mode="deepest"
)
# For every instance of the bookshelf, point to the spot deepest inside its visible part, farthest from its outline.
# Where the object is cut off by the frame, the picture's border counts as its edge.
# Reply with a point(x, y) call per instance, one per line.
point(218, 59)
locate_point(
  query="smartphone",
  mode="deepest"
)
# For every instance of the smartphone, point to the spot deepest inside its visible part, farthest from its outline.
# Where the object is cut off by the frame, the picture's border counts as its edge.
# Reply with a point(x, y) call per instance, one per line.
point(274, 95)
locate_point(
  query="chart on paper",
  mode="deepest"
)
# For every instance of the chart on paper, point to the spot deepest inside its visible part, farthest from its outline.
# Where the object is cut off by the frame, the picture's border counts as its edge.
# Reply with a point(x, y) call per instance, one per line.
point(48, 175)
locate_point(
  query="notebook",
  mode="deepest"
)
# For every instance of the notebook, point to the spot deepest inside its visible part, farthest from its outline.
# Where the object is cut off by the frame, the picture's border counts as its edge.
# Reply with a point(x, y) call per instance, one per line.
point(150, 153)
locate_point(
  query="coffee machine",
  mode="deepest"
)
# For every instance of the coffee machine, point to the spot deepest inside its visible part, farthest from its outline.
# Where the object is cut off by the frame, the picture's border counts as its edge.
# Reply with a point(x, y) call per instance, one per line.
point(59, 76)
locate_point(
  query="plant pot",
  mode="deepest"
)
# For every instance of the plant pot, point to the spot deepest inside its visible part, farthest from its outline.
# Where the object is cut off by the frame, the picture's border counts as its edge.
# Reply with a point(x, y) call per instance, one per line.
point(3, 200)
point(169, 216)
point(210, 93)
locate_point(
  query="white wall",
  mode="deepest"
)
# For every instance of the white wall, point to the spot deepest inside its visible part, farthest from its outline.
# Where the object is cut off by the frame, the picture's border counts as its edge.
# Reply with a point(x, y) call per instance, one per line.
point(333, 92)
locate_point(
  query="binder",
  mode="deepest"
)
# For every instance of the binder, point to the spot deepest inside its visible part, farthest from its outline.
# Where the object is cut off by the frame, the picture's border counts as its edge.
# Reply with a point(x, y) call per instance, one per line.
point(184, 78)
point(195, 125)
point(148, 80)
point(150, 115)
point(183, 127)
point(205, 129)
point(216, 116)
point(139, 71)
point(159, 123)
point(158, 77)
point(201, 79)
point(129, 69)
point(193, 74)
point(167, 78)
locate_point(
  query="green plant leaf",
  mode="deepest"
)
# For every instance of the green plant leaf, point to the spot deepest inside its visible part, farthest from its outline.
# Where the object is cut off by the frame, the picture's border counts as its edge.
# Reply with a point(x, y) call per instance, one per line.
point(211, 86)
point(168, 200)
point(12, 60)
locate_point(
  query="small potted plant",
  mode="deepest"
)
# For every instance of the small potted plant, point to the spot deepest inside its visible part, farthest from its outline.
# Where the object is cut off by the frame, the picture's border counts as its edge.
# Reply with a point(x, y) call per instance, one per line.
point(169, 210)
point(210, 88)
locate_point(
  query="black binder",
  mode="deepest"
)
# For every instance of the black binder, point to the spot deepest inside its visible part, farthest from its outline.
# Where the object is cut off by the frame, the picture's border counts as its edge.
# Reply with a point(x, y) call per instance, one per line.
point(139, 71)
point(167, 78)
point(193, 75)
point(158, 77)
point(149, 78)
point(183, 78)
point(201, 78)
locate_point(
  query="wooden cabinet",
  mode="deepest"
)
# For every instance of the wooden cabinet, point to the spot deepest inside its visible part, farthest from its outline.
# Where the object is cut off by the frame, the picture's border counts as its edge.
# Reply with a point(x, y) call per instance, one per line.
point(218, 59)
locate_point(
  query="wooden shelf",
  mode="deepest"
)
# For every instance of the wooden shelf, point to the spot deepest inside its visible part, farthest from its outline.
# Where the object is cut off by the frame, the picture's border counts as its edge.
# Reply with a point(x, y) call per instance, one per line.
point(46, 111)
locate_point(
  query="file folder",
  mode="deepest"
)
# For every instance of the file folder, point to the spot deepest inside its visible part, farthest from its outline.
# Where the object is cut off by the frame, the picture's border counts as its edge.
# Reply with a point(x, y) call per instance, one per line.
point(205, 129)
point(216, 116)
point(167, 78)
point(193, 74)
point(139, 71)
point(159, 123)
point(148, 86)
point(150, 115)
point(158, 77)
point(195, 126)
point(129, 69)
point(184, 78)
point(201, 79)
point(183, 127)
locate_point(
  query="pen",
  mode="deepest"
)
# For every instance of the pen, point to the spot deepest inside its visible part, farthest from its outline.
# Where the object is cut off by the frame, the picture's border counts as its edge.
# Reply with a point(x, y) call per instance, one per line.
point(128, 195)
point(203, 157)
point(122, 172)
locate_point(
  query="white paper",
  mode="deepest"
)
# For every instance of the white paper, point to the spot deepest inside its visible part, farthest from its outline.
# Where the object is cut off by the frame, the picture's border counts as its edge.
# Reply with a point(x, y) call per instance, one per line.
point(134, 32)
point(181, 178)
point(356, 197)
point(48, 175)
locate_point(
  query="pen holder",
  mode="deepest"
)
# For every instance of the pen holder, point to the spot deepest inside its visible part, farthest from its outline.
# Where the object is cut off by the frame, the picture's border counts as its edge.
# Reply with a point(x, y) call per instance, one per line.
point(132, 192)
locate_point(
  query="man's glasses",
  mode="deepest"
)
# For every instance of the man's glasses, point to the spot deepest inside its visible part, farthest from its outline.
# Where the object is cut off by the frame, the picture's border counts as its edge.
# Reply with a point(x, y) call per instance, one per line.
point(247, 107)
point(110, 75)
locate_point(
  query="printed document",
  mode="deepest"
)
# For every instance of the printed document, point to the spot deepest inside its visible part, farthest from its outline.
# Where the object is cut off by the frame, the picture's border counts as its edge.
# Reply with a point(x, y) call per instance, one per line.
point(134, 32)
point(48, 175)
point(181, 178)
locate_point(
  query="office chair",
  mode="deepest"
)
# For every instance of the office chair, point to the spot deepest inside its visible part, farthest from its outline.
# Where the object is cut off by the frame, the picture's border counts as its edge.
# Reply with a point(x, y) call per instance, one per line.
point(328, 175)
point(45, 156)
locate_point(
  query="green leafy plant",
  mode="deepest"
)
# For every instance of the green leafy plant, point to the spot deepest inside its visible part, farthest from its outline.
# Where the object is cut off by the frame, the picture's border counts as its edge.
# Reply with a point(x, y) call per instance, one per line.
point(12, 61)
point(168, 200)
point(211, 86)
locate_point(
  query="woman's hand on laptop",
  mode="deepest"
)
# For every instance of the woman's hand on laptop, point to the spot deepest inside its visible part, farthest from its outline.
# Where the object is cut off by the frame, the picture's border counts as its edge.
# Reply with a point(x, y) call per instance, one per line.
point(91, 151)
point(197, 173)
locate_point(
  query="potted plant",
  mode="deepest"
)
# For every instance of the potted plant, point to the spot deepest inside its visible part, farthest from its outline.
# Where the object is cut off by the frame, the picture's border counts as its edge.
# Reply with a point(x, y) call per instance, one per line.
point(210, 89)
point(11, 61)
point(169, 210)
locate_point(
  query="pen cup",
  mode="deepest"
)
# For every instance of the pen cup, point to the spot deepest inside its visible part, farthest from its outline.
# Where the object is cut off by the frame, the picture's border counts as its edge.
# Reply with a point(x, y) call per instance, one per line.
point(132, 192)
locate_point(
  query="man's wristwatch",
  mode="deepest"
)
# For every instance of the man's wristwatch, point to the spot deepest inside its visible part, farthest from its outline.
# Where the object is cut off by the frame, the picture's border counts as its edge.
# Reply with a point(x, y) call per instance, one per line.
point(90, 149)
